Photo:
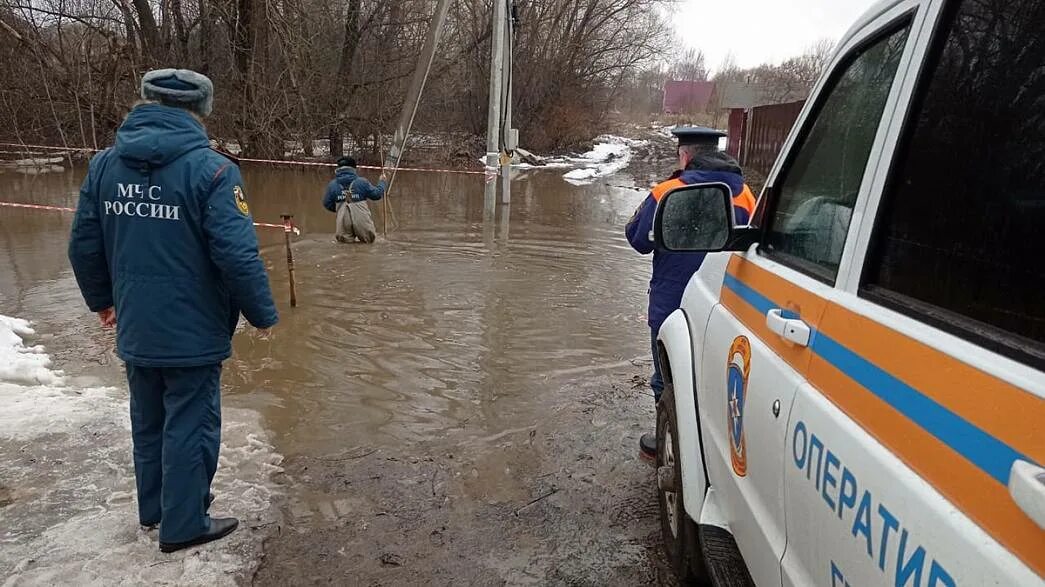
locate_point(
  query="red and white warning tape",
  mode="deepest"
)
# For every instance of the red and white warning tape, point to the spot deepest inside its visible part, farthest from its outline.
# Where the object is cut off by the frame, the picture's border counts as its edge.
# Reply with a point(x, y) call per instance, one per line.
point(284, 227)
point(36, 207)
point(319, 164)
point(267, 161)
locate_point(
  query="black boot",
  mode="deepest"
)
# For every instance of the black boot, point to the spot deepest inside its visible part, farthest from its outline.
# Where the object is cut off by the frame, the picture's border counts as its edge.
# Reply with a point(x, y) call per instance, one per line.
point(648, 445)
point(219, 528)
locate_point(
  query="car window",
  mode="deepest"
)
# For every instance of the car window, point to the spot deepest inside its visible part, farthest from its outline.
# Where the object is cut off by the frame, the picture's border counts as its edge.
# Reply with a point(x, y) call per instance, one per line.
point(959, 233)
point(814, 200)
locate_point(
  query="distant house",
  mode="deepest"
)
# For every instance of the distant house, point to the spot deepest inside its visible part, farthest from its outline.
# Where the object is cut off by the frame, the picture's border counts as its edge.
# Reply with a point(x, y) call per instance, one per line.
point(687, 97)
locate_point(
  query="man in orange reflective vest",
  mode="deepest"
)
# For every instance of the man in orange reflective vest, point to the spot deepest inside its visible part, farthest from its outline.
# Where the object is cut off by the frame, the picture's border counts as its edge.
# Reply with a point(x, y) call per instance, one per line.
point(700, 161)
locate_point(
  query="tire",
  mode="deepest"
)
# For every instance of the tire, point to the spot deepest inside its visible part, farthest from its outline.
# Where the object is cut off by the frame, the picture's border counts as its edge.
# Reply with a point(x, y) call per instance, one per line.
point(679, 532)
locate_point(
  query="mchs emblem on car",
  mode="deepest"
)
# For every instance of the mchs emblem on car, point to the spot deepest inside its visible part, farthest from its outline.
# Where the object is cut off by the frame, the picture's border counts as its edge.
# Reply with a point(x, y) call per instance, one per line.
point(737, 371)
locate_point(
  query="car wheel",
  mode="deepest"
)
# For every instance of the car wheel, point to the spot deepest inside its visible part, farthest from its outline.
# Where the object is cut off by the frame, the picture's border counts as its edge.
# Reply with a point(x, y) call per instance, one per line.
point(677, 529)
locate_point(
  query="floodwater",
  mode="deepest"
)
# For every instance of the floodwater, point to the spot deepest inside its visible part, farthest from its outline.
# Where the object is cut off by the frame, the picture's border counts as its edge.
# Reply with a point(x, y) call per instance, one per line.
point(450, 325)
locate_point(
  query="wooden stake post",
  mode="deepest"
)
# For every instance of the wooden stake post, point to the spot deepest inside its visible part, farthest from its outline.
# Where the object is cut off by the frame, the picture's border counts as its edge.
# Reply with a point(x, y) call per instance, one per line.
point(288, 227)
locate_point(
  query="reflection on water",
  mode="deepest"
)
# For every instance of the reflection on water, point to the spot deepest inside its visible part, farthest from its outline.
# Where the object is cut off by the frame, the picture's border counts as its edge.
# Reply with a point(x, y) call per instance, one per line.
point(450, 324)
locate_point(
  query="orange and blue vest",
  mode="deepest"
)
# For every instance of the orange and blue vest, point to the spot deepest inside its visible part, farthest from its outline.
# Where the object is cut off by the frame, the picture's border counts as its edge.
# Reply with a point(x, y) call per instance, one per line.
point(672, 271)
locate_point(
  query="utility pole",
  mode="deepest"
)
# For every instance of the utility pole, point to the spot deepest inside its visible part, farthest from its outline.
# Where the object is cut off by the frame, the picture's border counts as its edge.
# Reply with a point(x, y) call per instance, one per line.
point(506, 77)
point(413, 97)
point(417, 83)
point(493, 121)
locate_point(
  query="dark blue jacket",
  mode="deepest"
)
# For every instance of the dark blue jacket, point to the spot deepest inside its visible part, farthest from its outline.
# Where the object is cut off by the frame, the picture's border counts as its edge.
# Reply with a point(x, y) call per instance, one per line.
point(163, 233)
point(672, 271)
point(347, 185)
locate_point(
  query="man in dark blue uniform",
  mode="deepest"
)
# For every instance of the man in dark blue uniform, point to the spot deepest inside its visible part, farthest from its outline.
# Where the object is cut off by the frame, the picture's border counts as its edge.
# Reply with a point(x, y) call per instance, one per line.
point(700, 161)
point(164, 249)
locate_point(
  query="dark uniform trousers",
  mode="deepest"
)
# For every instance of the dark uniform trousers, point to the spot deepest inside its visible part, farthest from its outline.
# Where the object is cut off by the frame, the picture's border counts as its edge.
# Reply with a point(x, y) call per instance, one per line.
point(176, 428)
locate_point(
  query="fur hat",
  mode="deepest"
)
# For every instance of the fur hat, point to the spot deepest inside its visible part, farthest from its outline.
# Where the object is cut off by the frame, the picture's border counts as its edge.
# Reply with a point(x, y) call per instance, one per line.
point(183, 88)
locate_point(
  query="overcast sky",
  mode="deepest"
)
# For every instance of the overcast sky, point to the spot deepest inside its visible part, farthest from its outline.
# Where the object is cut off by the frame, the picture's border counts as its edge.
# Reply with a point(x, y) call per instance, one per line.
point(757, 31)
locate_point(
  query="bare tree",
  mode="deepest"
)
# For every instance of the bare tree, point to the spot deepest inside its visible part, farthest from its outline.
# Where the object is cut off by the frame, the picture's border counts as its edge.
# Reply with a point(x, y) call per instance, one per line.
point(292, 71)
point(728, 70)
point(689, 66)
point(792, 79)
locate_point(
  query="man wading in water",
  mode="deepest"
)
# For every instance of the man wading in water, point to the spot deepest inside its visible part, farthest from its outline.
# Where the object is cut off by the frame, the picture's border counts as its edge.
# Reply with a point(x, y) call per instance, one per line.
point(347, 195)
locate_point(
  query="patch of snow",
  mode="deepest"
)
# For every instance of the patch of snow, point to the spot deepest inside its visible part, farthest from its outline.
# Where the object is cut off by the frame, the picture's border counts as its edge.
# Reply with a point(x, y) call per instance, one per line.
point(36, 410)
point(232, 147)
point(321, 148)
point(583, 174)
point(609, 155)
point(19, 363)
point(556, 164)
point(34, 162)
point(67, 490)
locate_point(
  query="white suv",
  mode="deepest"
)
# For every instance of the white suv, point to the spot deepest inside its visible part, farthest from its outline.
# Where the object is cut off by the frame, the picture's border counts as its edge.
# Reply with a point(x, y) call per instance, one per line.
point(855, 383)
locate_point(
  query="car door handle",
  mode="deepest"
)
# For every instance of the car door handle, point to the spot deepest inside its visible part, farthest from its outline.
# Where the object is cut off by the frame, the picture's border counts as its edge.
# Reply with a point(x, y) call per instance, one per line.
point(1027, 488)
point(790, 329)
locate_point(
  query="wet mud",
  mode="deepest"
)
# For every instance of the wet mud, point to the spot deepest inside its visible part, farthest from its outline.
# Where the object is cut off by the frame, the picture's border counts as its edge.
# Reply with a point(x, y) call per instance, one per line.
point(564, 500)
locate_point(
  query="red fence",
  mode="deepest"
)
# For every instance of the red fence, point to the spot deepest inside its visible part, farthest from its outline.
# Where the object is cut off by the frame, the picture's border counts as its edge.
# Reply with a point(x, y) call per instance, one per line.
point(758, 134)
point(737, 126)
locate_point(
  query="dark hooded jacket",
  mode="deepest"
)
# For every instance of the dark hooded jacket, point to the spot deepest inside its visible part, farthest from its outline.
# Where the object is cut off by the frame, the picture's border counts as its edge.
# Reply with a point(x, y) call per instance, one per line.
point(347, 185)
point(672, 271)
point(163, 233)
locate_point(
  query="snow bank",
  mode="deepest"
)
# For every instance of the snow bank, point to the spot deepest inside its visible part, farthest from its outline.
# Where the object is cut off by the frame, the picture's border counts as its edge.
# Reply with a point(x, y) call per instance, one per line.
point(38, 410)
point(67, 495)
point(609, 155)
point(33, 162)
point(19, 363)
point(666, 130)
point(583, 175)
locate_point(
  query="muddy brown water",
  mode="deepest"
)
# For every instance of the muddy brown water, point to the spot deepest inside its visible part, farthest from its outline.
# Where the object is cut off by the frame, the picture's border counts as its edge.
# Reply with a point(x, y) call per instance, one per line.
point(452, 326)
point(448, 320)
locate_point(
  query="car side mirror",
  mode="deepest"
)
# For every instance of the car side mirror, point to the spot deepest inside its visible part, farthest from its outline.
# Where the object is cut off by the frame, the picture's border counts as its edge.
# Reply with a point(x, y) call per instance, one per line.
point(698, 218)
